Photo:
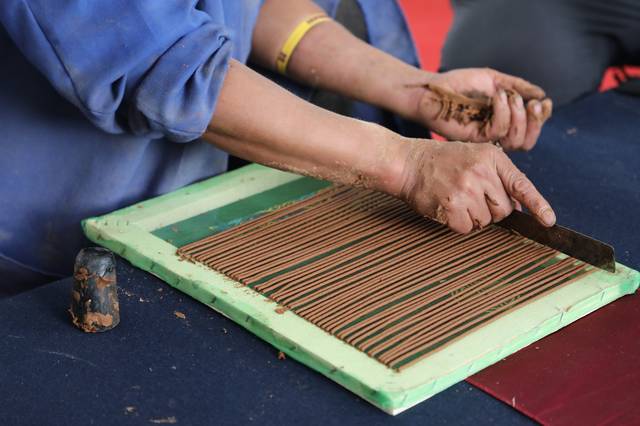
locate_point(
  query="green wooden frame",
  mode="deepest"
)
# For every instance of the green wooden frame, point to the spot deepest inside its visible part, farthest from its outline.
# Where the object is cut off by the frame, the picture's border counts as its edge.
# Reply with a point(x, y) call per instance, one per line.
point(128, 232)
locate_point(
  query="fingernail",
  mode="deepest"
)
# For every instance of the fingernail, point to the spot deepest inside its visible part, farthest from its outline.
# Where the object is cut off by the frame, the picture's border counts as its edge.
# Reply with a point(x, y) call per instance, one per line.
point(503, 96)
point(537, 109)
point(548, 216)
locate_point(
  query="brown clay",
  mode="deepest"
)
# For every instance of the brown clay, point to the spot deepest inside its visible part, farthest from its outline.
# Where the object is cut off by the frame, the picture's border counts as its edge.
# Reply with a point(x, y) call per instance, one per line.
point(462, 109)
point(365, 268)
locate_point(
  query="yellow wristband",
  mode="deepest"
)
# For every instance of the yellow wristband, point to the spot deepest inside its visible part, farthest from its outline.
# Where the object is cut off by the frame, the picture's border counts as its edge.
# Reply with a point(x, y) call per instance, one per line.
point(294, 38)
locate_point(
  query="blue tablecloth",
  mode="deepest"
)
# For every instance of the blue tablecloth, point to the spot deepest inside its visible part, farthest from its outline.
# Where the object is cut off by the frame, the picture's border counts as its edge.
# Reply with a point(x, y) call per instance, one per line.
point(158, 368)
point(202, 370)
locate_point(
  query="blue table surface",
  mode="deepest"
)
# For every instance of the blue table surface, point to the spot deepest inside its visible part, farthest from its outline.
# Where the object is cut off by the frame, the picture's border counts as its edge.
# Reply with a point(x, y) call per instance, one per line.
point(156, 368)
point(204, 369)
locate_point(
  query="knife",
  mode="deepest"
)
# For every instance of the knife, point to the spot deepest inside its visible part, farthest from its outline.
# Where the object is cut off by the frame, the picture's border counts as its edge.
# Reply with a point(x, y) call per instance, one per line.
point(572, 243)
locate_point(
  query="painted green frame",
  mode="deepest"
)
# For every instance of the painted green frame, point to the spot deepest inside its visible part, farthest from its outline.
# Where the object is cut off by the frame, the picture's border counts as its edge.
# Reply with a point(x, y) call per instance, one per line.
point(128, 232)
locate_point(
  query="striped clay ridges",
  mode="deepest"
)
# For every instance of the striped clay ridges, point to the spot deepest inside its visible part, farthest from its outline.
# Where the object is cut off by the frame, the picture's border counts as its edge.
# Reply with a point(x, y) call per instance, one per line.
point(365, 268)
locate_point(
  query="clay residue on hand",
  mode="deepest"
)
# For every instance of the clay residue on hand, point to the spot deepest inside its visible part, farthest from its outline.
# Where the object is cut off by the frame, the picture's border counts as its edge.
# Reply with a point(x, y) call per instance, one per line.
point(342, 173)
point(463, 109)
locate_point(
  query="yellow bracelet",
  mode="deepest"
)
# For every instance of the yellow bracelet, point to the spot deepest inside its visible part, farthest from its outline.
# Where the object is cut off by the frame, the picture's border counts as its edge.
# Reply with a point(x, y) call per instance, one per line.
point(292, 42)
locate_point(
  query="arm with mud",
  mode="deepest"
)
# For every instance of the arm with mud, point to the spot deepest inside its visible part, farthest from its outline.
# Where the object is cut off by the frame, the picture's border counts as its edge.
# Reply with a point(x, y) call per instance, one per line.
point(477, 105)
point(464, 185)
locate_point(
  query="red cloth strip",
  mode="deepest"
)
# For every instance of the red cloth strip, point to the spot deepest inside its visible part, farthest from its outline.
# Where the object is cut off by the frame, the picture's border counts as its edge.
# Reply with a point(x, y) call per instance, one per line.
point(587, 373)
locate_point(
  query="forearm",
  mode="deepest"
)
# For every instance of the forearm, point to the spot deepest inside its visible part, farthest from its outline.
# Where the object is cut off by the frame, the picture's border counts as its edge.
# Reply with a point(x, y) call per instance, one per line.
point(257, 120)
point(463, 185)
point(331, 58)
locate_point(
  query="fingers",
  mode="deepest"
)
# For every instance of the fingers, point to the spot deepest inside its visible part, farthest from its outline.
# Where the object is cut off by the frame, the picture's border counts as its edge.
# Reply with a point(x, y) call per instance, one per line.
point(468, 186)
point(534, 123)
point(479, 197)
point(537, 113)
point(516, 205)
point(458, 219)
point(521, 189)
point(547, 108)
point(479, 213)
point(500, 123)
point(526, 89)
point(526, 123)
point(515, 138)
point(477, 210)
point(498, 202)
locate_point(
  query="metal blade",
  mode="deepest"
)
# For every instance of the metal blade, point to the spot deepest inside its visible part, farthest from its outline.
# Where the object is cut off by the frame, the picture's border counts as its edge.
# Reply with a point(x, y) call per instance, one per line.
point(565, 240)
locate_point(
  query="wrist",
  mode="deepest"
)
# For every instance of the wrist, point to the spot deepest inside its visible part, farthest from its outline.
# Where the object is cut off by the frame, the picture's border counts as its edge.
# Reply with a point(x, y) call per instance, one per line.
point(412, 94)
point(398, 160)
point(418, 152)
point(379, 158)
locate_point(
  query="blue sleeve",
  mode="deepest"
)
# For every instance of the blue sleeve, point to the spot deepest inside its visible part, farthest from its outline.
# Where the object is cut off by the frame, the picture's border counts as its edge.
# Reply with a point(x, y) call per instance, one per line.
point(152, 67)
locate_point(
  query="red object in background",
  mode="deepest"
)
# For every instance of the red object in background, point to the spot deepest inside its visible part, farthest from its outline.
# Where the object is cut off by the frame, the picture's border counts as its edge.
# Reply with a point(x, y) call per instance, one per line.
point(429, 21)
point(586, 374)
point(614, 75)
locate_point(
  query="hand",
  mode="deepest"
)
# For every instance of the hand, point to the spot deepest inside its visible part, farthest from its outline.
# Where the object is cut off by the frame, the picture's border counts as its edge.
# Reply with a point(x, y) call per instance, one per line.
point(467, 186)
point(481, 105)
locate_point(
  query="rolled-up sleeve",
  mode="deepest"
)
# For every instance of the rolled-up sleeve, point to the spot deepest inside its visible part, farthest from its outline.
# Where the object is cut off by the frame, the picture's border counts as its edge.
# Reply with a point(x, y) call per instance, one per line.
point(151, 67)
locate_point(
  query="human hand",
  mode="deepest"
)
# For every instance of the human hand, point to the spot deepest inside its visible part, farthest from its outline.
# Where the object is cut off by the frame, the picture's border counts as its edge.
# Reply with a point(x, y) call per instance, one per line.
point(467, 186)
point(481, 105)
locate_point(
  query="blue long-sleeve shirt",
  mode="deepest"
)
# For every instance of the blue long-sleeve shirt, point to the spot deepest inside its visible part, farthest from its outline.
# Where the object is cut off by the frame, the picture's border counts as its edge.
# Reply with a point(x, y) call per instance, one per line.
point(97, 100)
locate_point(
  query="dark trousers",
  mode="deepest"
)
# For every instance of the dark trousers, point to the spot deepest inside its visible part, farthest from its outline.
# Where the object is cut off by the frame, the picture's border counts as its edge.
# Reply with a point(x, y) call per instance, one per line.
point(562, 45)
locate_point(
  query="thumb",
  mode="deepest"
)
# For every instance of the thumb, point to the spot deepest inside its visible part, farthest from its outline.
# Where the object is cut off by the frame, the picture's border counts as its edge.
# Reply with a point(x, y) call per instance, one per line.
point(521, 189)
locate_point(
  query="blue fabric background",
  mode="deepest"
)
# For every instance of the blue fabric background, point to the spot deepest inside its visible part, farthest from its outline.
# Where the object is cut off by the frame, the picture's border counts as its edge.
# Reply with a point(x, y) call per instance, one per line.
point(92, 94)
